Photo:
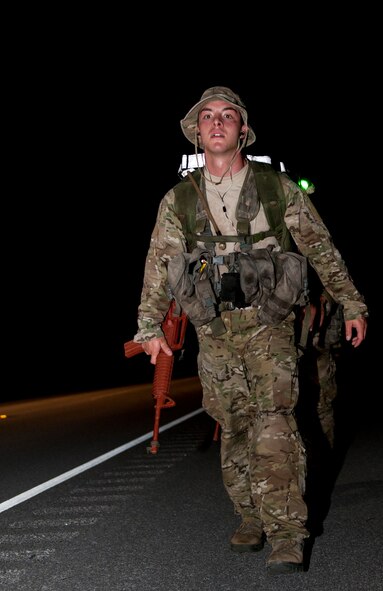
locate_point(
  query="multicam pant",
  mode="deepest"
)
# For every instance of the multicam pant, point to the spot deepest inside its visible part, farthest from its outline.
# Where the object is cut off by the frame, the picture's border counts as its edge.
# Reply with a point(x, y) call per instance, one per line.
point(250, 387)
point(326, 349)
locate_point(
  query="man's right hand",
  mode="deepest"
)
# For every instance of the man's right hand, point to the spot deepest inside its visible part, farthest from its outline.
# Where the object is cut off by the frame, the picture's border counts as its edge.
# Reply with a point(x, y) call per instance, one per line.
point(154, 346)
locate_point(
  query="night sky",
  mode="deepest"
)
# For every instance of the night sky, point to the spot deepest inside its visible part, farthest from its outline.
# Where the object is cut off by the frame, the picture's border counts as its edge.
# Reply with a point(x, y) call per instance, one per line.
point(97, 143)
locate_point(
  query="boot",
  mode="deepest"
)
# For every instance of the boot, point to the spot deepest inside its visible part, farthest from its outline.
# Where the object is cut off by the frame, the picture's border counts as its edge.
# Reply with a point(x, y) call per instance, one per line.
point(286, 556)
point(248, 537)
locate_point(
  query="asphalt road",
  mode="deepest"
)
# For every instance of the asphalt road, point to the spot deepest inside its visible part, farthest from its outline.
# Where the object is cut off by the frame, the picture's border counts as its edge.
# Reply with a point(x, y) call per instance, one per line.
point(144, 522)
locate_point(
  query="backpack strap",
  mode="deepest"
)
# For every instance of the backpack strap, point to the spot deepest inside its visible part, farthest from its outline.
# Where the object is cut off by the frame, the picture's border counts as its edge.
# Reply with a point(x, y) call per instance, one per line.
point(205, 204)
point(268, 187)
point(185, 205)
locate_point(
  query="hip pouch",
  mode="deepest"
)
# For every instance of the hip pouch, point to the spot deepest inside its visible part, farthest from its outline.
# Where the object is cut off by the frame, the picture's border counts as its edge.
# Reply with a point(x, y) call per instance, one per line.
point(190, 278)
point(273, 281)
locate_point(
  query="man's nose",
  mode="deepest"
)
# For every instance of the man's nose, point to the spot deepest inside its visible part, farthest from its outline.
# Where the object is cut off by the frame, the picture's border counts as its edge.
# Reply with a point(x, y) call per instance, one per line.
point(217, 121)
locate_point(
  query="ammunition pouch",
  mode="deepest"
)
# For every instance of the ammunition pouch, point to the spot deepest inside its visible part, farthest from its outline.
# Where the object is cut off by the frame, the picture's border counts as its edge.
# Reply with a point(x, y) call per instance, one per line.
point(190, 280)
point(273, 281)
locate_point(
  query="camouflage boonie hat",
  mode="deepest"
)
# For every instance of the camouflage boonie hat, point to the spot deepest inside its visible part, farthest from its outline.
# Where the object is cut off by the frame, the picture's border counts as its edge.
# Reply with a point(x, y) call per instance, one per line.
point(215, 93)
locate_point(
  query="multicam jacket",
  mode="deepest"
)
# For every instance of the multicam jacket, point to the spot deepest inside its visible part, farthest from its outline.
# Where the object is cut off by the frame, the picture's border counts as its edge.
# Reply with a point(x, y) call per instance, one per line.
point(306, 227)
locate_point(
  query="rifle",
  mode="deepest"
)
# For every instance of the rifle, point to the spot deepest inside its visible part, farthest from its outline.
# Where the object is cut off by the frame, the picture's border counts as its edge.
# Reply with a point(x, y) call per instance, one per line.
point(174, 328)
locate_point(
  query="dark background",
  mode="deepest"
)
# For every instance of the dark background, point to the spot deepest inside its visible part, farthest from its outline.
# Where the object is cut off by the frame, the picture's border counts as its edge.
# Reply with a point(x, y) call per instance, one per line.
point(96, 142)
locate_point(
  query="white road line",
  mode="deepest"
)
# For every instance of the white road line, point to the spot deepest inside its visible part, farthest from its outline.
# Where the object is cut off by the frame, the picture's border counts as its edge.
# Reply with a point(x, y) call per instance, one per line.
point(36, 490)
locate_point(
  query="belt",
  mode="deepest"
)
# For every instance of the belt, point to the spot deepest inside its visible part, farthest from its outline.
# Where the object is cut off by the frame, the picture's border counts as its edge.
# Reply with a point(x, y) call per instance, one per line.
point(229, 307)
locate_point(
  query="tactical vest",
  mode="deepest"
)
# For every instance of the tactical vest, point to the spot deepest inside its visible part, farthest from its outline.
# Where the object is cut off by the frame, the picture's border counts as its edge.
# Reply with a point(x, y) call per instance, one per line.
point(262, 182)
point(273, 281)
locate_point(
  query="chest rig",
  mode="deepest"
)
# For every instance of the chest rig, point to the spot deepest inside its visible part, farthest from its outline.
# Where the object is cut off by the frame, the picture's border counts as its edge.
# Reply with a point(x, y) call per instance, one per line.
point(273, 281)
point(262, 185)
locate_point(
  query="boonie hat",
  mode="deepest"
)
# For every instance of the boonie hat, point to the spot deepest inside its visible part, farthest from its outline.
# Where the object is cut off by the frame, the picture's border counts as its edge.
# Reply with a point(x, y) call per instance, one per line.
point(215, 93)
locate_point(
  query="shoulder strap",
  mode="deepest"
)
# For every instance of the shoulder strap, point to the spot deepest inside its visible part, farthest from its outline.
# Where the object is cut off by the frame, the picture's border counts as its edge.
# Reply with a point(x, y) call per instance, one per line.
point(272, 197)
point(185, 207)
point(263, 185)
point(205, 204)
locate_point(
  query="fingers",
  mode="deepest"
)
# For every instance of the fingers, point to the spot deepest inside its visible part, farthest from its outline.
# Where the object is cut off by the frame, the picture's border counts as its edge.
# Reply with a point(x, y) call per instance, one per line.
point(154, 347)
point(356, 341)
point(165, 348)
point(360, 326)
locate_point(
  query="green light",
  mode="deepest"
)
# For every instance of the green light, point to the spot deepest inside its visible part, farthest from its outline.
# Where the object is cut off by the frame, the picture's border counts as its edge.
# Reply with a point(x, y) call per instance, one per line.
point(304, 184)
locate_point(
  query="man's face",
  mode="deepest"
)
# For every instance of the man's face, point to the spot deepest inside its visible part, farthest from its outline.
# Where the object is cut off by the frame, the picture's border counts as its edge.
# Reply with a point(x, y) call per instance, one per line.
point(219, 125)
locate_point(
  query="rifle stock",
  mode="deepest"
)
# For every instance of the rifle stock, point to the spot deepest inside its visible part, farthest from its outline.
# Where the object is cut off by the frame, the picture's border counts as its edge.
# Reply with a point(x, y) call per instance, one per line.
point(174, 328)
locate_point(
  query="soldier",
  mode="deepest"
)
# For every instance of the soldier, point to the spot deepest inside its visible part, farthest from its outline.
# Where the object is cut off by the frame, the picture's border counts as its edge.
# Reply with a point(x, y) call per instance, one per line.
point(220, 246)
point(318, 386)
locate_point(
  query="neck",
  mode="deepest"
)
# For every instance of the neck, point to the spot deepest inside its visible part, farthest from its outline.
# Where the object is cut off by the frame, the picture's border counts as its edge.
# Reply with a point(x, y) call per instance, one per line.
point(223, 165)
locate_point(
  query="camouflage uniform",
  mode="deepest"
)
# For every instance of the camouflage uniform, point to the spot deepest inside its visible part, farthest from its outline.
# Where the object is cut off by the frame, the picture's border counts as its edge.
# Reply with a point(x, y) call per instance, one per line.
point(326, 343)
point(315, 412)
point(248, 376)
point(308, 232)
point(249, 373)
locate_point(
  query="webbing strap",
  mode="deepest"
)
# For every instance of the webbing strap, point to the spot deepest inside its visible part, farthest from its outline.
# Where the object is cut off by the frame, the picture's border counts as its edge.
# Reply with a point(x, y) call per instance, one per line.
point(205, 204)
point(305, 328)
